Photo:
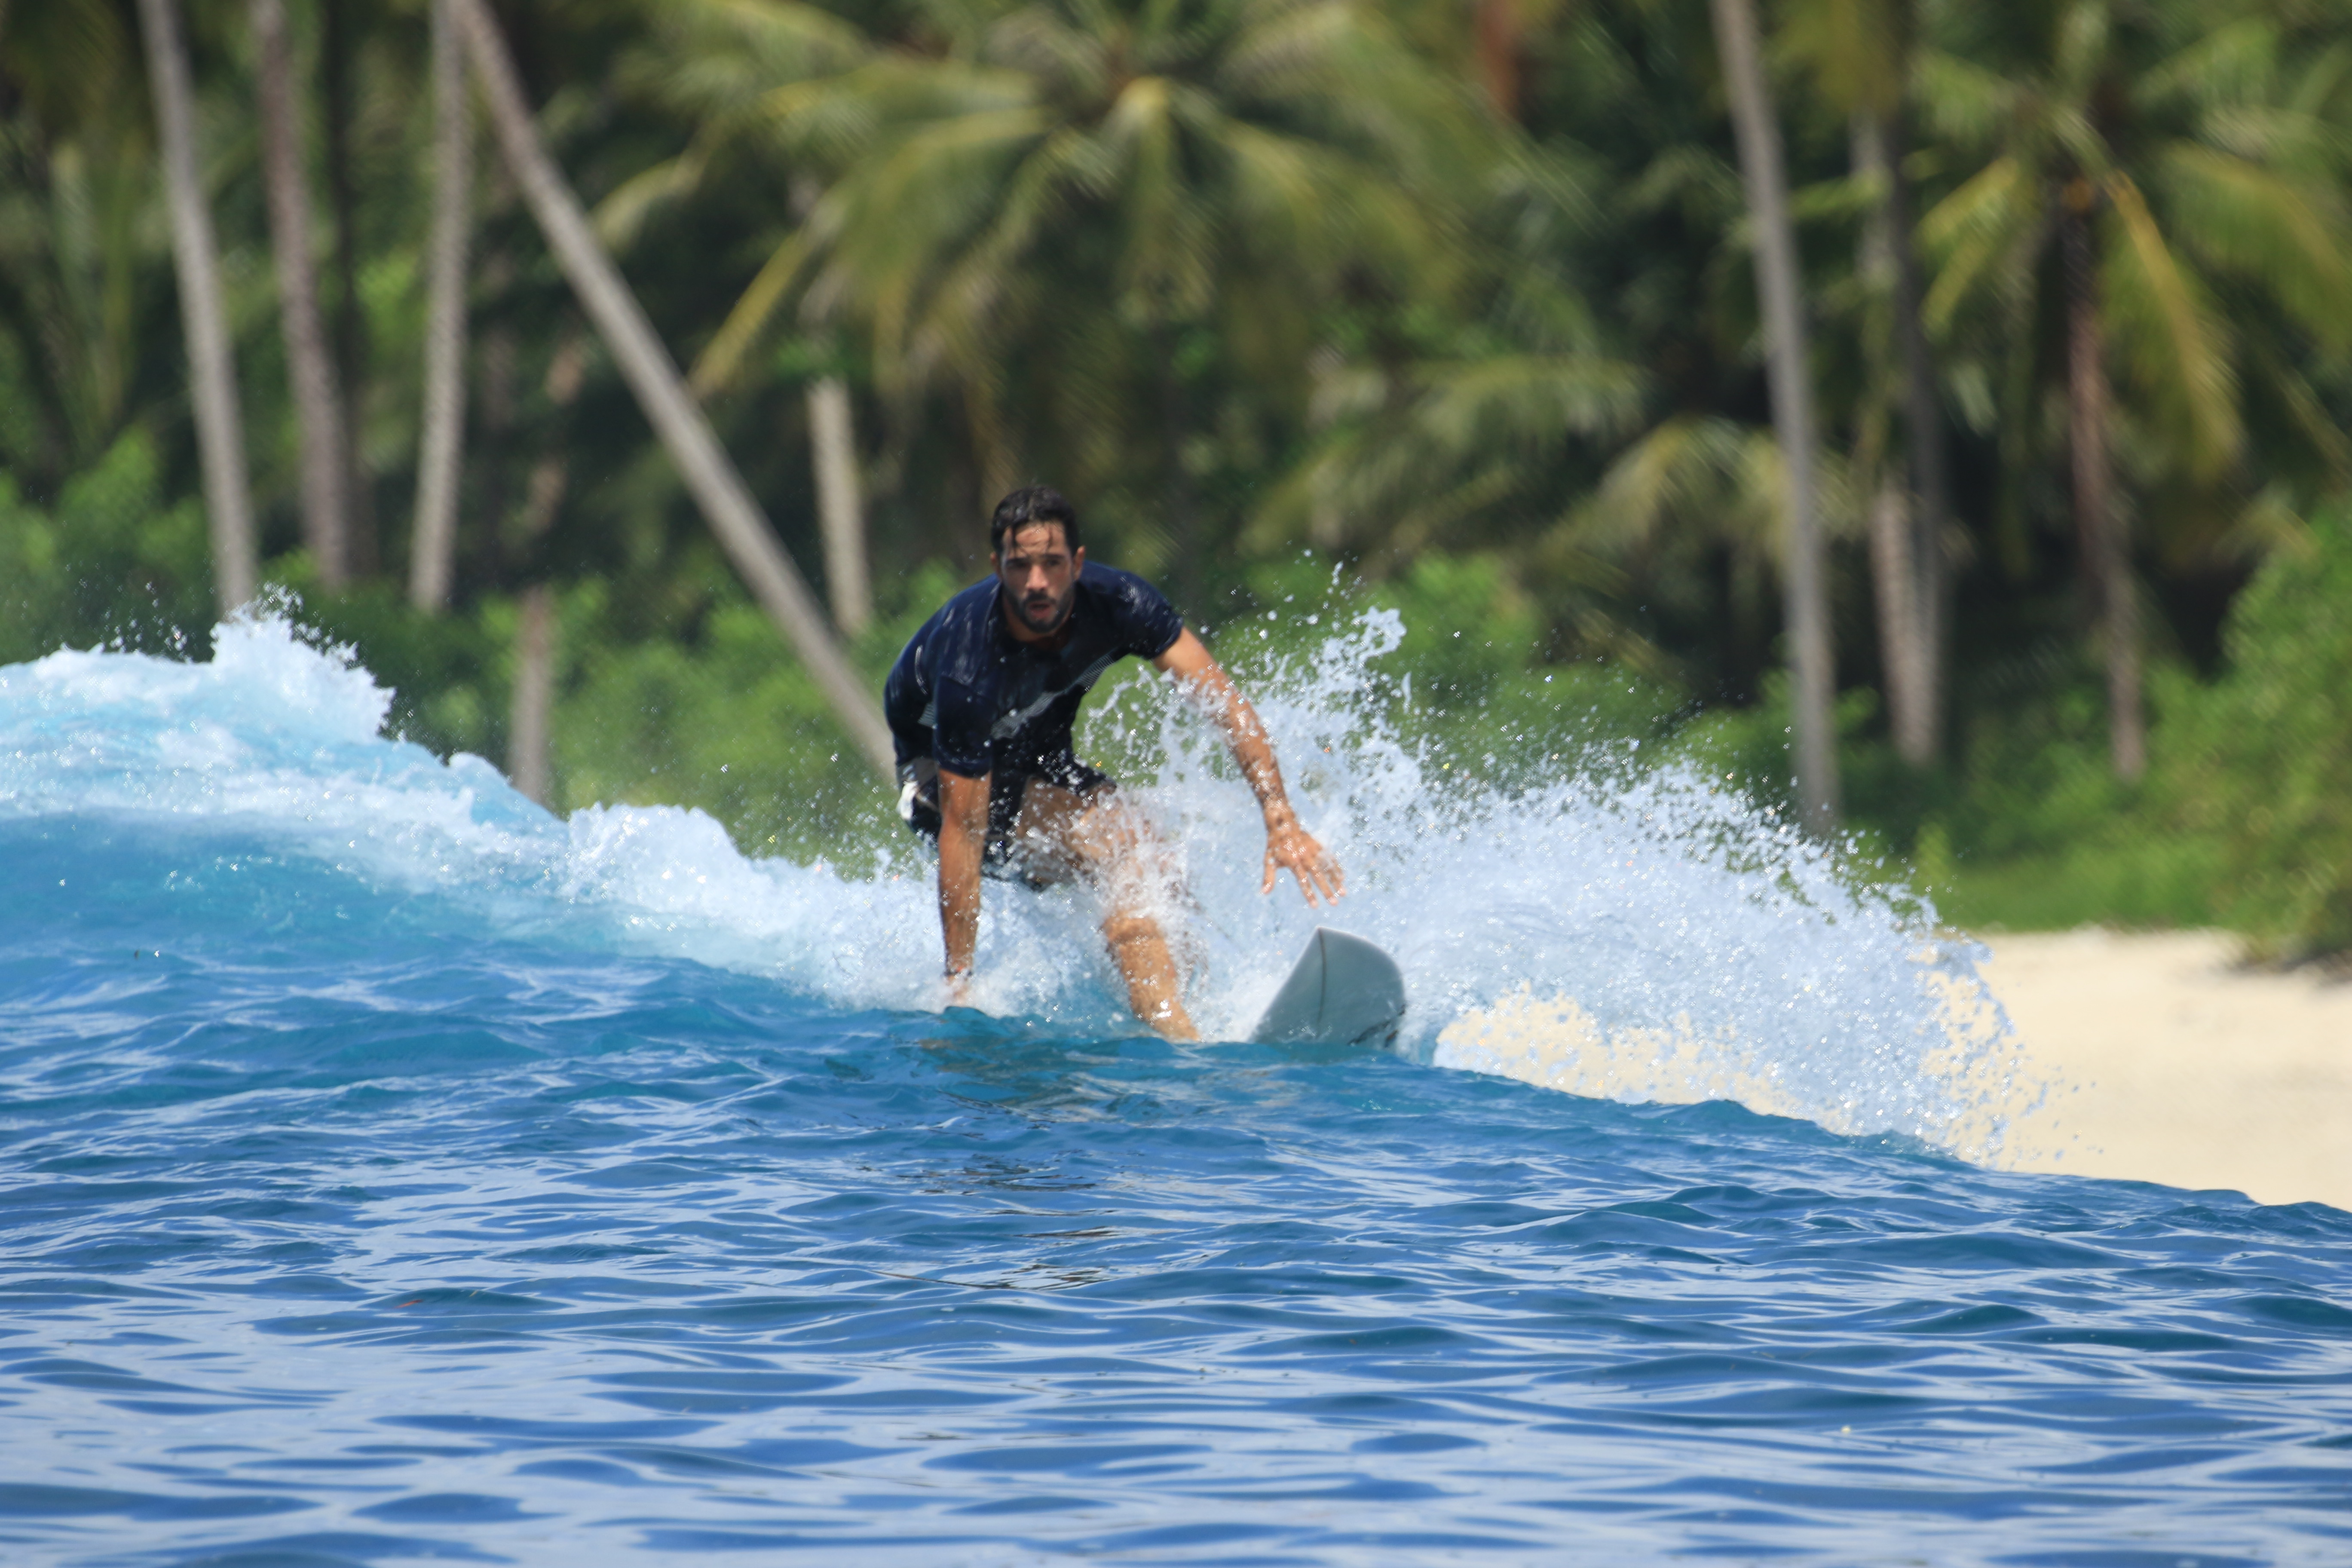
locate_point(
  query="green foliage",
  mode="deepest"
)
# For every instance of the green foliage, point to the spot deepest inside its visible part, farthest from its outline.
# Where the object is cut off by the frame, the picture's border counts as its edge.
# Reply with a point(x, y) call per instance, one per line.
point(449, 688)
point(727, 721)
point(2197, 141)
point(1748, 748)
point(2261, 764)
point(1243, 275)
point(2028, 828)
point(2245, 819)
point(731, 725)
point(115, 561)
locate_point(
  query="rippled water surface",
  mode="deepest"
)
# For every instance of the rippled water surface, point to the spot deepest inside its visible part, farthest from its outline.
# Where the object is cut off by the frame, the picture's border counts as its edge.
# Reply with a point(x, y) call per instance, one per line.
point(394, 1172)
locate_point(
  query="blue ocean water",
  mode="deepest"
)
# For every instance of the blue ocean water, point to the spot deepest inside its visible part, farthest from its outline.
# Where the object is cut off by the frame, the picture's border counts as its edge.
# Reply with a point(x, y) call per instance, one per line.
point(392, 1171)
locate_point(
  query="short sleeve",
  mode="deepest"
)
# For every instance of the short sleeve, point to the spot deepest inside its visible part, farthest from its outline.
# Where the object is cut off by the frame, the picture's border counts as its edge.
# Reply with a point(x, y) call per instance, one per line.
point(1149, 624)
point(960, 735)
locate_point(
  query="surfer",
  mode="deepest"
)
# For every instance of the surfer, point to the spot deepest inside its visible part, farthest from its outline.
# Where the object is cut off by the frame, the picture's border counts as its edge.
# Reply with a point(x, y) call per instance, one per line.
point(981, 704)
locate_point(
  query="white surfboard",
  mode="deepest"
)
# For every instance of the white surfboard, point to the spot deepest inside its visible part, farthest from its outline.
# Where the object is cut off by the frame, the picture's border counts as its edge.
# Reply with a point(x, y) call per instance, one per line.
point(1344, 991)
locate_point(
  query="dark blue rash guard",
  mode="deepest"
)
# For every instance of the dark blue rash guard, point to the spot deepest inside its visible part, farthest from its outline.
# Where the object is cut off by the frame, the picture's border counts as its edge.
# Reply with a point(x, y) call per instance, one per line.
point(970, 696)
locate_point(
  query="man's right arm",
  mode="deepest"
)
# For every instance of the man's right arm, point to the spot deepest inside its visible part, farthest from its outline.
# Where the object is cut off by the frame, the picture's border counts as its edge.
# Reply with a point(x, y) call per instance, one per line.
point(963, 837)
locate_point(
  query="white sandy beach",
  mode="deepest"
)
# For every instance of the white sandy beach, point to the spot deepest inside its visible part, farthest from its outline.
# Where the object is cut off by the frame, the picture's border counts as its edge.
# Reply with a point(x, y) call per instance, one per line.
point(2171, 1063)
point(2152, 1057)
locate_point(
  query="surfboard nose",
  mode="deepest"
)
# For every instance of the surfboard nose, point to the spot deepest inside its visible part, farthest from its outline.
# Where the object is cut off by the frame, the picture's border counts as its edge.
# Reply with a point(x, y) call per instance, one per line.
point(1343, 991)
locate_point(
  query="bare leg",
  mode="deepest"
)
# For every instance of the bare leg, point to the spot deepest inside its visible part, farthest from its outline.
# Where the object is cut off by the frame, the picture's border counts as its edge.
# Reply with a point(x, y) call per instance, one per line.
point(1154, 987)
point(1099, 837)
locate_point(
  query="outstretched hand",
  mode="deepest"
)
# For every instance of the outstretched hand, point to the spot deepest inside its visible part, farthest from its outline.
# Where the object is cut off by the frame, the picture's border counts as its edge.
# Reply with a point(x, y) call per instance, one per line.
point(1292, 847)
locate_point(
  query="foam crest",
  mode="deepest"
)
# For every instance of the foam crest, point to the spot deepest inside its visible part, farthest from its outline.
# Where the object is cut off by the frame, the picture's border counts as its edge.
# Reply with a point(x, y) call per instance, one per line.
point(1636, 932)
point(1590, 925)
point(273, 735)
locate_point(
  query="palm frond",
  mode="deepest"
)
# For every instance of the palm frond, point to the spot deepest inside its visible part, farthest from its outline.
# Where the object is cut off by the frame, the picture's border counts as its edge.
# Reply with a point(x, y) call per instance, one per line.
point(623, 215)
point(1973, 229)
point(2171, 334)
point(2290, 237)
point(1964, 102)
point(2235, 62)
point(722, 360)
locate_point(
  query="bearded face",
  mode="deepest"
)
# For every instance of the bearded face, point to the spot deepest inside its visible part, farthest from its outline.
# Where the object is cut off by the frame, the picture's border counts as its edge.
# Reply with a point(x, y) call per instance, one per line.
point(1038, 573)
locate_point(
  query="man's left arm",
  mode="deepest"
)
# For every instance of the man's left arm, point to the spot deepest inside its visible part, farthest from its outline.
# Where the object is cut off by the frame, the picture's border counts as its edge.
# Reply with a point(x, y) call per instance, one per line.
point(1288, 844)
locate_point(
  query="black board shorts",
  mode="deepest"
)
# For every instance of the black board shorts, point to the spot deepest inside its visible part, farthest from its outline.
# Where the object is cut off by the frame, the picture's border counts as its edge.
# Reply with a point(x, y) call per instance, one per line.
point(918, 804)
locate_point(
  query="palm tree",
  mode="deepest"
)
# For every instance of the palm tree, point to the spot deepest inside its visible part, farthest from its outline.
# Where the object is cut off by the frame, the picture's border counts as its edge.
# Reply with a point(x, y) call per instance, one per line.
point(1589, 415)
point(337, 46)
point(1780, 288)
point(220, 426)
point(841, 509)
point(1859, 53)
point(841, 504)
point(1076, 208)
point(309, 368)
point(2180, 165)
point(432, 537)
point(733, 71)
point(531, 724)
point(1910, 501)
point(735, 518)
point(1412, 455)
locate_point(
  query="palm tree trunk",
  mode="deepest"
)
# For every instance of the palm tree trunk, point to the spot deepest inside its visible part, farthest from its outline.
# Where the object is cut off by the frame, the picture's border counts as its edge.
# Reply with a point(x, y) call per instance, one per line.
point(212, 363)
point(530, 730)
point(841, 509)
point(433, 538)
point(1777, 287)
point(1921, 740)
point(311, 371)
point(531, 722)
point(743, 532)
point(833, 453)
point(1906, 519)
point(1901, 636)
point(351, 321)
point(2099, 530)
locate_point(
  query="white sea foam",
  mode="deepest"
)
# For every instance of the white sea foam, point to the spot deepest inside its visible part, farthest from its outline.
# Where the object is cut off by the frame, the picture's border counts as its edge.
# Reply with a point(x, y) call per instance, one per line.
point(1643, 933)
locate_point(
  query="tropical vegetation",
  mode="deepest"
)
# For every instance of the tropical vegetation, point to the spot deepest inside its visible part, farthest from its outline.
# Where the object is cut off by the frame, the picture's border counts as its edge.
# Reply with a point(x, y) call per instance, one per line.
point(1932, 415)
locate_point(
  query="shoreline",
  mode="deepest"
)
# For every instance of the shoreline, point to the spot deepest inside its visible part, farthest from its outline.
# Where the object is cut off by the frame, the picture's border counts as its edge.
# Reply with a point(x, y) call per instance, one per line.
point(2128, 1057)
point(2169, 1061)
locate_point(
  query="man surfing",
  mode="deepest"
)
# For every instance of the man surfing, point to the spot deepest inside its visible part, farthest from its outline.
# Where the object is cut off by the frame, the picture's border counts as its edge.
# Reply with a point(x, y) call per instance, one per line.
point(980, 706)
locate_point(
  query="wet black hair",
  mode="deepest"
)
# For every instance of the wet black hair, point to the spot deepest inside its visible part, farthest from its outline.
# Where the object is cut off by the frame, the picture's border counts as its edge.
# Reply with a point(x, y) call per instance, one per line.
point(1033, 503)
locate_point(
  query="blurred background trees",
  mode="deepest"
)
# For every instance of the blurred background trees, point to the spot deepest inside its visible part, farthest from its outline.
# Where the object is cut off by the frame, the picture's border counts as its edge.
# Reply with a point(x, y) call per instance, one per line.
point(1458, 297)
